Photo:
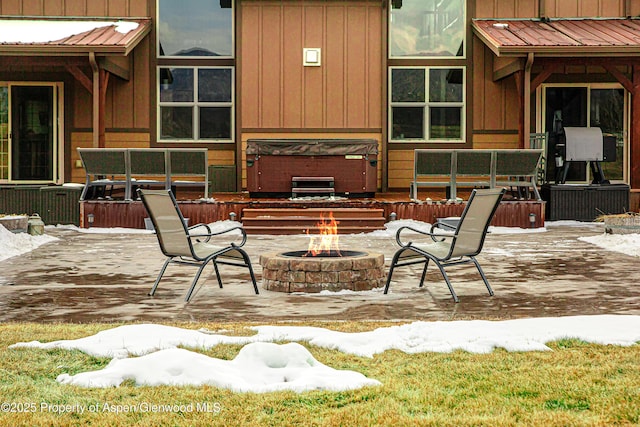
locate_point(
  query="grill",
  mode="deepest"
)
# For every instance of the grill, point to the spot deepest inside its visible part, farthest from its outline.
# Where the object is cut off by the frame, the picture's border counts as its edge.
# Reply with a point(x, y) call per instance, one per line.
point(581, 144)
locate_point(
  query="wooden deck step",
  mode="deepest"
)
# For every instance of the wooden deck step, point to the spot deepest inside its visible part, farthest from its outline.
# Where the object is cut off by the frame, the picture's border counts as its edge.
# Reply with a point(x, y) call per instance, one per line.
point(312, 185)
point(300, 220)
point(280, 230)
point(313, 212)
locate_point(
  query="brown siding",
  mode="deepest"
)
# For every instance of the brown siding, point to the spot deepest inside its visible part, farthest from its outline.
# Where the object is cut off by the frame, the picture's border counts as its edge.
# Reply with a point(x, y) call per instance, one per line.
point(123, 8)
point(554, 8)
point(278, 92)
point(585, 8)
point(507, 9)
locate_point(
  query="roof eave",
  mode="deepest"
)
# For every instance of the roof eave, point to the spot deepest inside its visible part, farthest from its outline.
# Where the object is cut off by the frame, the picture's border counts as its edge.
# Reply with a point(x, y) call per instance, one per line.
point(573, 51)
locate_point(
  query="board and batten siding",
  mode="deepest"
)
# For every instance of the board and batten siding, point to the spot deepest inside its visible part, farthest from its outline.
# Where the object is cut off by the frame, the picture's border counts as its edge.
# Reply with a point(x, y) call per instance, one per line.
point(556, 8)
point(121, 8)
point(278, 92)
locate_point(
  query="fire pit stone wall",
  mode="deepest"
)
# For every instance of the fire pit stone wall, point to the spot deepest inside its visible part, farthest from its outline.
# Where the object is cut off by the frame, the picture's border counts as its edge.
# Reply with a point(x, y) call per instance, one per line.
point(301, 274)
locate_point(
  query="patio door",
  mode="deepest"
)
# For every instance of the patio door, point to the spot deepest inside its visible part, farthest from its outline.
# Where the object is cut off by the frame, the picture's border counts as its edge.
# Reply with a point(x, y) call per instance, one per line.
point(587, 105)
point(30, 149)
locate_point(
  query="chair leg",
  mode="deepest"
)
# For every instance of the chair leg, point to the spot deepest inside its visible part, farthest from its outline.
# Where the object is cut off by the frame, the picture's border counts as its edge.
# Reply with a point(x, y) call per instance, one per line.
point(484, 278)
point(195, 280)
point(155, 285)
point(215, 267)
point(391, 268)
point(424, 272)
point(446, 279)
point(247, 261)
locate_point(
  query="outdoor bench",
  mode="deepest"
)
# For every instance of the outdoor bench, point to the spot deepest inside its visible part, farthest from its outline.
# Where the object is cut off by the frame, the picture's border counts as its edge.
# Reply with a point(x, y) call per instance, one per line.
point(144, 167)
point(453, 168)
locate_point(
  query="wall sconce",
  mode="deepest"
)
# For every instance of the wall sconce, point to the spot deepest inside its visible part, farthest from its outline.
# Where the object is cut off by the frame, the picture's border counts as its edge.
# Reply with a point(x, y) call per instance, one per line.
point(311, 57)
point(90, 219)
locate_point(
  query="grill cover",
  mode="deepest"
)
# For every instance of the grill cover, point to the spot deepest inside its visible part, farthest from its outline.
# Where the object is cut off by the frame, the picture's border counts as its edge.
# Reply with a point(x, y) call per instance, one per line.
point(583, 144)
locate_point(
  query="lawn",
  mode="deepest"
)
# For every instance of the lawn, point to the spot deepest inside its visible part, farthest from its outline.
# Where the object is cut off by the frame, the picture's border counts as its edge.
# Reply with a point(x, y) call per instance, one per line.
point(574, 384)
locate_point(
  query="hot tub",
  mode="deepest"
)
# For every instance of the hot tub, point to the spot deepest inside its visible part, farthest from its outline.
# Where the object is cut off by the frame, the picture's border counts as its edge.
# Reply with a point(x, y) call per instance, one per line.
point(272, 163)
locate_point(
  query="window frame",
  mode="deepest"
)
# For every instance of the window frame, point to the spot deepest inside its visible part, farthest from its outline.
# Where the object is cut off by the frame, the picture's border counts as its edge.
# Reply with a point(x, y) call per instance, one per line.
point(174, 57)
point(427, 105)
point(196, 105)
point(465, 39)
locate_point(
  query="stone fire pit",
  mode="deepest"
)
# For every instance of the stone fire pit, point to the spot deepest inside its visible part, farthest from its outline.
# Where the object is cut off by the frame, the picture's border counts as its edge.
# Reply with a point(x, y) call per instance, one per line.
point(295, 272)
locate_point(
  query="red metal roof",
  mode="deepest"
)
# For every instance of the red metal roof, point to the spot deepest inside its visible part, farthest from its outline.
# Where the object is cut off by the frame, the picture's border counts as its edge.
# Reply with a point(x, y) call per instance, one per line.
point(109, 35)
point(560, 37)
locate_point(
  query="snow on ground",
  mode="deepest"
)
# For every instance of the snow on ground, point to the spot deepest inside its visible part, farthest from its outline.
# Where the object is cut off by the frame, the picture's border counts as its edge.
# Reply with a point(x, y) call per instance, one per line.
point(12, 244)
point(261, 368)
point(628, 244)
point(258, 368)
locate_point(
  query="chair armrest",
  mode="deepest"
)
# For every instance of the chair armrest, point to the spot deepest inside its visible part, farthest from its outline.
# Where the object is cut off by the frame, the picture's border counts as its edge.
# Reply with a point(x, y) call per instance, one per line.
point(433, 236)
point(209, 235)
point(208, 232)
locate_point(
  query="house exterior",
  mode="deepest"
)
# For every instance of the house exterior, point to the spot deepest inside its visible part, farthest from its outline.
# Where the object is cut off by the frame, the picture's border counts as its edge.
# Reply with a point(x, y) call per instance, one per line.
point(406, 73)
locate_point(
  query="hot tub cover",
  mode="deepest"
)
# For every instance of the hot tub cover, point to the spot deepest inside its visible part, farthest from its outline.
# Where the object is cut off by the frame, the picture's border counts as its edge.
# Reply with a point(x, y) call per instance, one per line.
point(312, 147)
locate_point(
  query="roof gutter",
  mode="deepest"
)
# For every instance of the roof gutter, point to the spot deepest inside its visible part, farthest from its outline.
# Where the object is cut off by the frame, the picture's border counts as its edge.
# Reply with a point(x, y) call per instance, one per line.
point(96, 98)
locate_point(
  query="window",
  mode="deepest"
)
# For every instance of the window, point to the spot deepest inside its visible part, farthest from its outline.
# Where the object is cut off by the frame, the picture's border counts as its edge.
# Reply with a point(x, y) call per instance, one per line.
point(427, 28)
point(195, 103)
point(196, 73)
point(195, 28)
point(427, 104)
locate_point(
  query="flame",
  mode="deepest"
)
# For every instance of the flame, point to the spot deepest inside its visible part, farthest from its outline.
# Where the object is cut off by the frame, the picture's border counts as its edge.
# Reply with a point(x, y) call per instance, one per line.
point(327, 239)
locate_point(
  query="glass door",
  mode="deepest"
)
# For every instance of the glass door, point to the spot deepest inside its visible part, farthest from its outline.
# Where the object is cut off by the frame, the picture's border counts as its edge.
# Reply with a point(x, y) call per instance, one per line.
point(586, 105)
point(4, 133)
point(32, 133)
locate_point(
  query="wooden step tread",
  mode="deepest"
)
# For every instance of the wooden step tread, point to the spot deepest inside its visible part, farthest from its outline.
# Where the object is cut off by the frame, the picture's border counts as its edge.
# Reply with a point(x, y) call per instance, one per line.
point(313, 190)
point(312, 179)
point(276, 230)
point(313, 212)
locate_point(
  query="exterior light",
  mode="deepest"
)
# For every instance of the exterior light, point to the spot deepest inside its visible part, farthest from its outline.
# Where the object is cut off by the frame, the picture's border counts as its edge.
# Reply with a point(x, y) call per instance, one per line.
point(90, 219)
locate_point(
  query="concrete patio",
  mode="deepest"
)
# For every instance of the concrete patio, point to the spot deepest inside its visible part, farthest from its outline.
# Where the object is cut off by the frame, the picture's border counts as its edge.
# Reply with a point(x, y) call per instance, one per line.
point(86, 277)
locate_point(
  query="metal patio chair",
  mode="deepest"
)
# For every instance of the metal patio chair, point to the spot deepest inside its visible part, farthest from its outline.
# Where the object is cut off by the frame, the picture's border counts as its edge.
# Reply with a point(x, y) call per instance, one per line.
point(192, 245)
point(457, 247)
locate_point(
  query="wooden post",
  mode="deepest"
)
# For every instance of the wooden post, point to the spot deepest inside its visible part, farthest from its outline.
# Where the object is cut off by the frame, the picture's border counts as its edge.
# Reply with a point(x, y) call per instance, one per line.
point(634, 179)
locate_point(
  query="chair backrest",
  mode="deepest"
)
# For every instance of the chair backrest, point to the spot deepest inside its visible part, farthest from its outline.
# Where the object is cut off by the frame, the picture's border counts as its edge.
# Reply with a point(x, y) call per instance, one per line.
point(432, 162)
point(104, 161)
point(168, 221)
point(473, 162)
point(188, 161)
point(474, 222)
point(148, 161)
point(518, 162)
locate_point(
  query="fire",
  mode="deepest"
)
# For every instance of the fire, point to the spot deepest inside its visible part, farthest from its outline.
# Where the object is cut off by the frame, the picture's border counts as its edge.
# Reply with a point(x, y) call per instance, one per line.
point(327, 239)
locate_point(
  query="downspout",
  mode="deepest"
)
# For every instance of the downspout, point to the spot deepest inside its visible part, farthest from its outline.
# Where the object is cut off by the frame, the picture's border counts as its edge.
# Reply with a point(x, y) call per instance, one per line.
point(527, 99)
point(96, 99)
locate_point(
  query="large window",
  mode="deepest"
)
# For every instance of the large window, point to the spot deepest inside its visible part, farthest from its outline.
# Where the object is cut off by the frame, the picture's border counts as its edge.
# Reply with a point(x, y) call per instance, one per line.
point(196, 103)
point(195, 28)
point(427, 28)
point(427, 104)
point(196, 71)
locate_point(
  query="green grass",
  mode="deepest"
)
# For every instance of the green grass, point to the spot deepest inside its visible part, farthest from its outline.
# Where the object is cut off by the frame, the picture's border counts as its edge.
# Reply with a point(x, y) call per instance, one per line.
point(575, 384)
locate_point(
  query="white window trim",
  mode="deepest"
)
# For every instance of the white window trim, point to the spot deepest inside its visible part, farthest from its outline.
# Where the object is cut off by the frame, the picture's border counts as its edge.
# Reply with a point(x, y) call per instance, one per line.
point(195, 104)
point(427, 105)
point(430, 57)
